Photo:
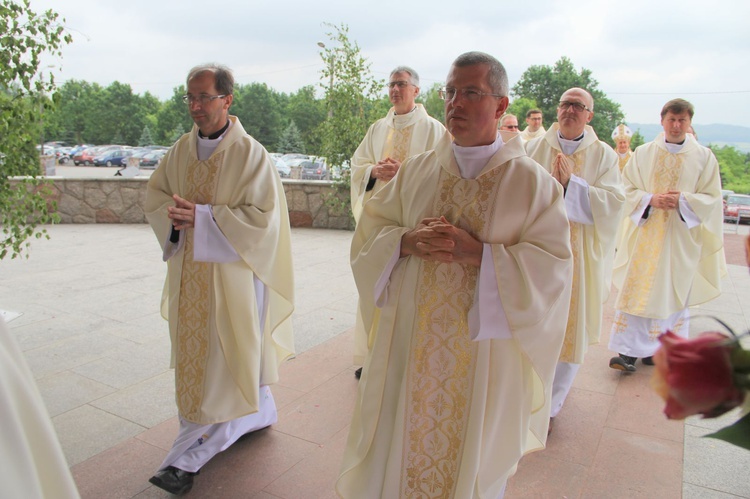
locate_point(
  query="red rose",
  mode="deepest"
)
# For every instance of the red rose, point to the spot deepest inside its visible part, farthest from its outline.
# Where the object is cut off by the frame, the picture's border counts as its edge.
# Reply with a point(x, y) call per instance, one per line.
point(695, 376)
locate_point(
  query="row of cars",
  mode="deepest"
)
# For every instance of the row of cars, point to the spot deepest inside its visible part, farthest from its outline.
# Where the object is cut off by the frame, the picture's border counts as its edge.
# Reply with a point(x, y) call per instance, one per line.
point(310, 167)
point(116, 155)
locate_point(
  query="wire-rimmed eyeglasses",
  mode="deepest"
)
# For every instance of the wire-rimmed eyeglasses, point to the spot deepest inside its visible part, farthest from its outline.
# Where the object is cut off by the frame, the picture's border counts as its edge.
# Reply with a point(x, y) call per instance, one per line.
point(471, 95)
point(203, 99)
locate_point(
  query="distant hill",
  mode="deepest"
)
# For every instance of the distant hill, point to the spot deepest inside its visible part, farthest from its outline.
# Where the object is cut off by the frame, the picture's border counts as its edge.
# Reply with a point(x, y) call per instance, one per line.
point(731, 135)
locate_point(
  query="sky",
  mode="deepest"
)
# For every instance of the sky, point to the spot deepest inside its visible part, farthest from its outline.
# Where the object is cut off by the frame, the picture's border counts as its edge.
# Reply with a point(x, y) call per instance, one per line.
point(642, 52)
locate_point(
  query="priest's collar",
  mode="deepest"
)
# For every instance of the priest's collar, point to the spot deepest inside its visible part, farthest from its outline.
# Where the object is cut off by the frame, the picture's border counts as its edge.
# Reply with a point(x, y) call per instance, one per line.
point(214, 135)
point(569, 146)
point(404, 114)
point(472, 160)
point(674, 147)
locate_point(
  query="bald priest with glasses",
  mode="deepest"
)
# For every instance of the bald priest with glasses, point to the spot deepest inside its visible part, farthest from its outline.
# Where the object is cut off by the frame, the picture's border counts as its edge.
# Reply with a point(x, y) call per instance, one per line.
point(588, 171)
point(406, 130)
point(218, 209)
point(465, 257)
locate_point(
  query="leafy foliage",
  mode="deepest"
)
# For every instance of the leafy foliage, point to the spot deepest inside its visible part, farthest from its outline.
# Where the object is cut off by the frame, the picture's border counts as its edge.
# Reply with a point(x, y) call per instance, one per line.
point(350, 89)
point(546, 84)
point(433, 104)
point(734, 168)
point(146, 138)
point(26, 36)
point(519, 107)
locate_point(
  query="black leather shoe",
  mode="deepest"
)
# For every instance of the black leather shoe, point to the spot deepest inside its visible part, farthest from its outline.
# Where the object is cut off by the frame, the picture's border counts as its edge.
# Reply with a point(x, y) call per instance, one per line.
point(358, 373)
point(647, 361)
point(174, 480)
point(623, 363)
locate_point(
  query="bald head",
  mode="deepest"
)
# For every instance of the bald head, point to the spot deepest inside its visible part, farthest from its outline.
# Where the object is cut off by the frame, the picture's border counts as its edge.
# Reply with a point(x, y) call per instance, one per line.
point(575, 110)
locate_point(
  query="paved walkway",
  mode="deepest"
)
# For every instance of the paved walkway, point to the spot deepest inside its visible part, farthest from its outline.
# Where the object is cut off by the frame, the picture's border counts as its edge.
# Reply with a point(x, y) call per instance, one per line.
point(92, 334)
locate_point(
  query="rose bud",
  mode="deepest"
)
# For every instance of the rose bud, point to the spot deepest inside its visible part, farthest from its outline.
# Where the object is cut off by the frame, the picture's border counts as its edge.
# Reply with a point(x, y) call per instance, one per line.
point(695, 376)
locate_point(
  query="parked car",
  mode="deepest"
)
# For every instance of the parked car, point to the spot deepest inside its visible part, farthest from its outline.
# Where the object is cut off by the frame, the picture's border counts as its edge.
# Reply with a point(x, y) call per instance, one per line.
point(153, 158)
point(295, 159)
point(313, 171)
point(113, 157)
point(281, 167)
point(737, 208)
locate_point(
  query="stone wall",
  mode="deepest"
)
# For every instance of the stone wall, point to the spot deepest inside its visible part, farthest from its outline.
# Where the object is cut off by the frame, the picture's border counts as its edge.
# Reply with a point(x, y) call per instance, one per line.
point(121, 200)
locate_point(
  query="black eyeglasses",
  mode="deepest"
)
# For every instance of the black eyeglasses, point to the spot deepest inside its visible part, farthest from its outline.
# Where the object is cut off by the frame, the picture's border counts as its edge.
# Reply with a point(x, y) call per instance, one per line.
point(577, 106)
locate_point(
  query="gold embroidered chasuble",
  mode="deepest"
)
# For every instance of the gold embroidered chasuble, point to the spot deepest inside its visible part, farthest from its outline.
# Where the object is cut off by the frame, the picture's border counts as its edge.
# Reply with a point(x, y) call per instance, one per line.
point(623, 160)
point(439, 415)
point(394, 136)
point(663, 267)
point(220, 354)
point(592, 245)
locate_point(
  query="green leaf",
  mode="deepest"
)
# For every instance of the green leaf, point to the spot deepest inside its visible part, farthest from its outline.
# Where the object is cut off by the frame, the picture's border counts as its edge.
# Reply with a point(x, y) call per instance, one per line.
point(737, 434)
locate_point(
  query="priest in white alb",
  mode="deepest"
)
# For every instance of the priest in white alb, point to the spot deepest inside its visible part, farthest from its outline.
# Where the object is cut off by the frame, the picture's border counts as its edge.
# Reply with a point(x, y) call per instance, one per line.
point(587, 169)
point(622, 135)
point(534, 128)
point(670, 255)
point(465, 255)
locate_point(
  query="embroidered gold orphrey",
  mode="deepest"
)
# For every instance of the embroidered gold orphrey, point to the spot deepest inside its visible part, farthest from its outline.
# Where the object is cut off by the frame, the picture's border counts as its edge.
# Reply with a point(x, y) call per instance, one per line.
point(195, 299)
point(397, 143)
point(568, 352)
point(442, 357)
point(639, 280)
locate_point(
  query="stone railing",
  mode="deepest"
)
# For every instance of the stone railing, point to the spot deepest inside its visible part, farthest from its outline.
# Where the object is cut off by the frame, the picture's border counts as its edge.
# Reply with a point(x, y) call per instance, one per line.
point(121, 200)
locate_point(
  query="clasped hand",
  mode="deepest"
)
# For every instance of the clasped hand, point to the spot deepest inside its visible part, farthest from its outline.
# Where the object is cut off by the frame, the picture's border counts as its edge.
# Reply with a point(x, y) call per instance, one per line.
point(182, 213)
point(436, 239)
point(385, 169)
point(666, 200)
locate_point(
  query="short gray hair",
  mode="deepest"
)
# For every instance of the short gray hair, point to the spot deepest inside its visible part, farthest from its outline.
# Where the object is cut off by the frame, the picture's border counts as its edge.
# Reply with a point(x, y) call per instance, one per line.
point(506, 116)
point(223, 77)
point(406, 69)
point(497, 77)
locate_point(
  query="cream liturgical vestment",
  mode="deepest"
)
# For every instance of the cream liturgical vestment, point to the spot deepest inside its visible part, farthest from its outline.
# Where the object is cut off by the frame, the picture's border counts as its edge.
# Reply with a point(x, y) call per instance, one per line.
point(594, 201)
point(220, 352)
point(671, 259)
point(527, 134)
point(397, 137)
point(437, 414)
point(623, 159)
point(32, 463)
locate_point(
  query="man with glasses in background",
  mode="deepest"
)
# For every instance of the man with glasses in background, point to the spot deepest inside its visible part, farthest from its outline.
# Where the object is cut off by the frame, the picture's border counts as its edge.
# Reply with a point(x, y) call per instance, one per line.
point(218, 209)
point(467, 255)
point(509, 123)
point(587, 169)
point(405, 131)
point(671, 252)
point(534, 126)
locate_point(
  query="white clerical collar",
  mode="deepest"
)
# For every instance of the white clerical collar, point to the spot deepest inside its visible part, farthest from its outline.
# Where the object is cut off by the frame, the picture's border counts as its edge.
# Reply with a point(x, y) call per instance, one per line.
point(569, 146)
point(405, 114)
point(206, 146)
point(471, 160)
point(674, 148)
point(622, 154)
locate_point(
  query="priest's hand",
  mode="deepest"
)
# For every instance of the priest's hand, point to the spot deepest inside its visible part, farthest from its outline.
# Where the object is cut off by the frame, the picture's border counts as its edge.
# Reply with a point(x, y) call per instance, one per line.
point(436, 239)
point(666, 200)
point(182, 213)
point(386, 169)
point(562, 169)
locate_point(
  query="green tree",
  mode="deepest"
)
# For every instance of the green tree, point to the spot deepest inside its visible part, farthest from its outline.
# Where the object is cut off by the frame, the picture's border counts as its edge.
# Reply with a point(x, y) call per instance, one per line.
point(26, 36)
point(734, 167)
point(291, 140)
point(172, 115)
point(146, 138)
point(433, 104)
point(351, 91)
point(546, 84)
point(637, 139)
point(258, 108)
point(307, 112)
